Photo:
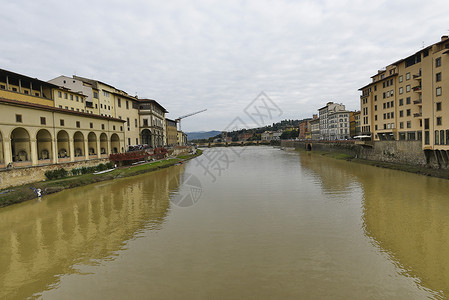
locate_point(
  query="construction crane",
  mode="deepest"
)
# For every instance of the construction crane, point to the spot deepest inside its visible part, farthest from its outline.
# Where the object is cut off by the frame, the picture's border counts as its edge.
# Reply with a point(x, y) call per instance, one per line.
point(178, 120)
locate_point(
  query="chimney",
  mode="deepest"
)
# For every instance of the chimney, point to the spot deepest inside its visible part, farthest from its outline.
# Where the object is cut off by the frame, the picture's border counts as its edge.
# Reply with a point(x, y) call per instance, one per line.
point(444, 37)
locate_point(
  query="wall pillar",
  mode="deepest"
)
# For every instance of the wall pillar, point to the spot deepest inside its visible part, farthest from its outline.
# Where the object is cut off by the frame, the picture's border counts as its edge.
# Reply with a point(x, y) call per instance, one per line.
point(7, 154)
point(72, 149)
point(86, 149)
point(33, 143)
point(54, 148)
point(98, 147)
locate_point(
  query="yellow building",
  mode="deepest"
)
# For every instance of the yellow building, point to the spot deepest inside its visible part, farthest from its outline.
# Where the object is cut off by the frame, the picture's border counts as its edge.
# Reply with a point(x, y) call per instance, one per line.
point(152, 122)
point(182, 138)
point(33, 134)
point(405, 101)
point(172, 132)
point(23, 88)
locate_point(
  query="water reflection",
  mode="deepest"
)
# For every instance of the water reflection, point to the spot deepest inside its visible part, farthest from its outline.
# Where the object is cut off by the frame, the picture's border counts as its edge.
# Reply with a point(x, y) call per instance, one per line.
point(405, 215)
point(40, 241)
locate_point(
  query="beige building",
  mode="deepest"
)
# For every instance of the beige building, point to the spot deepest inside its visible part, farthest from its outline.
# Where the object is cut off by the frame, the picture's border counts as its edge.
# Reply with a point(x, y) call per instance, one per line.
point(33, 134)
point(171, 132)
point(405, 101)
point(152, 123)
point(182, 138)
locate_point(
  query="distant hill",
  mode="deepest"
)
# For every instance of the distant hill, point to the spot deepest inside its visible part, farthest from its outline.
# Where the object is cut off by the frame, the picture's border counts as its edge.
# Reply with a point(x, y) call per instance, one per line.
point(201, 135)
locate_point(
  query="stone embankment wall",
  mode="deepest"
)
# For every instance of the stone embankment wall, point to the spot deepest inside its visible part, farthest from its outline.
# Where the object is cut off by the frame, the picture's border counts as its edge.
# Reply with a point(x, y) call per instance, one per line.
point(20, 176)
point(401, 152)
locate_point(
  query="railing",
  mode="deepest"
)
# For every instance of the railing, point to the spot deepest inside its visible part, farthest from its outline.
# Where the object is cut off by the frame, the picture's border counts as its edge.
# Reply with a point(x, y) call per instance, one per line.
point(417, 115)
point(417, 88)
point(417, 75)
point(417, 101)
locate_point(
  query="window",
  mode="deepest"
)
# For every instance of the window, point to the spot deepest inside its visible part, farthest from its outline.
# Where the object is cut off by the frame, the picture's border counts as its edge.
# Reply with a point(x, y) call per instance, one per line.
point(61, 122)
point(409, 124)
point(409, 112)
point(407, 76)
point(438, 91)
point(426, 138)
point(19, 118)
point(59, 94)
point(401, 102)
point(375, 117)
point(129, 141)
point(401, 125)
point(437, 137)
point(438, 77)
point(71, 97)
point(438, 106)
point(102, 126)
point(127, 104)
point(407, 88)
point(392, 103)
point(408, 100)
point(400, 78)
point(106, 94)
point(96, 95)
point(426, 124)
point(384, 95)
point(375, 107)
point(77, 98)
point(401, 90)
point(43, 121)
point(135, 123)
point(385, 105)
point(101, 105)
point(78, 124)
point(375, 97)
point(439, 121)
point(392, 115)
point(401, 113)
point(119, 102)
point(66, 96)
point(442, 137)
point(14, 89)
point(91, 125)
point(438, 62)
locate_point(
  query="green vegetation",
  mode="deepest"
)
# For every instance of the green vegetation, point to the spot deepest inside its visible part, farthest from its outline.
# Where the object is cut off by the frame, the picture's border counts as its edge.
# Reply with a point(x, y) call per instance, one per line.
point(23, 193)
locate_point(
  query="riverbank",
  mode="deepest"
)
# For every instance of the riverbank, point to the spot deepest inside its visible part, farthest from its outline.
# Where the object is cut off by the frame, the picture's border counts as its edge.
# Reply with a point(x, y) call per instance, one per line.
point(416, 169)
point(24, 192)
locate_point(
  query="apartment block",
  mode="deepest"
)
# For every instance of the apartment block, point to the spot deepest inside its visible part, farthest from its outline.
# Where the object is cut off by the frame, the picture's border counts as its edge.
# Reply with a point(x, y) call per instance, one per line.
point(323, 113)
point(405, 100)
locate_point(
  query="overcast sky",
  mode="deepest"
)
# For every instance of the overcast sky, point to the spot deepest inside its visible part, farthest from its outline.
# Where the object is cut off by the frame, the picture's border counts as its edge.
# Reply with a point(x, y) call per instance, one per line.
point(219, 55)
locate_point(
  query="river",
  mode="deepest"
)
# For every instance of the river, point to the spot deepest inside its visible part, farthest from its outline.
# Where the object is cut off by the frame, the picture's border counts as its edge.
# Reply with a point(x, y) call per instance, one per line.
point(234, 223)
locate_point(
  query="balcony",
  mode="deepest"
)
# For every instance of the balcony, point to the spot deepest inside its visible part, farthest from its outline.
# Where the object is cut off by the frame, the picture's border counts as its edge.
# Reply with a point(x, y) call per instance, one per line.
point(417, 76)
point(89, 104)
point(419, 101)
point(417, 115)
point(417, 88)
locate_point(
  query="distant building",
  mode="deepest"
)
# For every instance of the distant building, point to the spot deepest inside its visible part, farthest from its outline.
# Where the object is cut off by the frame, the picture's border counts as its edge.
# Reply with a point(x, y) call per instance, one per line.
point(324, 120)
point(304, 129)
point(338, 125)
point(172, 132)
point(315, 128)
point(354, 123)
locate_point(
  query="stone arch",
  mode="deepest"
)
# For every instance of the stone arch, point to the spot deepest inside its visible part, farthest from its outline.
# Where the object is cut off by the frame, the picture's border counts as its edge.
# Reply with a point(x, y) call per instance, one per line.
point(309, 147)
point(115, 143)
point(78, 143)
point(92, 143)
point(145, 137)
point(104, 144)
point(44, 145)
point(63, 144)
point(20, 145)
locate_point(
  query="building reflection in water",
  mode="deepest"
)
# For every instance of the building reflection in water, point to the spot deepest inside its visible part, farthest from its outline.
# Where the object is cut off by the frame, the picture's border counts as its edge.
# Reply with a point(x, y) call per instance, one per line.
point(405, 215)
point(40, 241)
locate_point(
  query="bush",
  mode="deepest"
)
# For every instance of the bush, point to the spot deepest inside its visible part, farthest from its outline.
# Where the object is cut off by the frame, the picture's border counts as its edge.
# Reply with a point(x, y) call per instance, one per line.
point(76, 171)
point(55, 174)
